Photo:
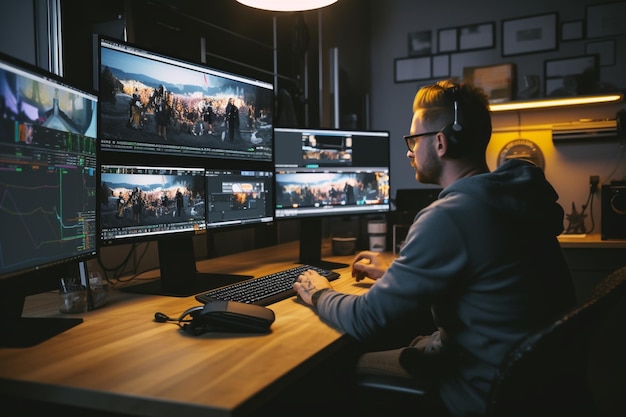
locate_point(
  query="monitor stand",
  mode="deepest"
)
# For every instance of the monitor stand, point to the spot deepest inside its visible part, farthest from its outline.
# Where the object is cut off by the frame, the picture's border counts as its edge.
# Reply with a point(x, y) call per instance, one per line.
point(179, 277)
point(311, 245)
point(18, 332)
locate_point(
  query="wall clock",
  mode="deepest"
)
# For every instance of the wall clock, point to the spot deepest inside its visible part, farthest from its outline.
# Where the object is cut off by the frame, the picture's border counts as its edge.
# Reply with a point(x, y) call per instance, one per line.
point(522, 149)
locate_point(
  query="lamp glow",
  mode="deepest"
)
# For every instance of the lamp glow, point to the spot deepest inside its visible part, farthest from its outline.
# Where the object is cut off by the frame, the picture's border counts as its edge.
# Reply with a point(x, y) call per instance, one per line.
point(556, 102)
point(287, 5)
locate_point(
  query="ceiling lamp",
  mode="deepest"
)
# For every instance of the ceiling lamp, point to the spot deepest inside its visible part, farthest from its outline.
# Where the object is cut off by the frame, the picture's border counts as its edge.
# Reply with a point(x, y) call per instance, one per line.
point(287, 5)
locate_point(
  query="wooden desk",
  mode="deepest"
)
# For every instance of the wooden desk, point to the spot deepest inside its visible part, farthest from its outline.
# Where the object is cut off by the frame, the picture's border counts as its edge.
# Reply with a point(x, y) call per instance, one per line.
point(119, 360)
point(593, 240)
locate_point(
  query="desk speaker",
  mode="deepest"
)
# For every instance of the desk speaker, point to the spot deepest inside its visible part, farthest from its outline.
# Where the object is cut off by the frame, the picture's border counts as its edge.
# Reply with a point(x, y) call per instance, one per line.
point(614, 211)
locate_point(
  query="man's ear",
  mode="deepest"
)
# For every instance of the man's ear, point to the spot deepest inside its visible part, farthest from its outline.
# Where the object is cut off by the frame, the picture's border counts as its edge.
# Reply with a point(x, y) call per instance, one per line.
point(441, 144)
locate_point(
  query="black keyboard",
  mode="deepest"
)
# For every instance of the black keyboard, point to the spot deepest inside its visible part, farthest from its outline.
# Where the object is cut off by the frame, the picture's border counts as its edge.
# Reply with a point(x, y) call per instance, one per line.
point(264, 290)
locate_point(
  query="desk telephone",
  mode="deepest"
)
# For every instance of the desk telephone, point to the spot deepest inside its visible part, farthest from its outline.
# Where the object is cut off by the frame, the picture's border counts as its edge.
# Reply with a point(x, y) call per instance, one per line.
point(223, 316)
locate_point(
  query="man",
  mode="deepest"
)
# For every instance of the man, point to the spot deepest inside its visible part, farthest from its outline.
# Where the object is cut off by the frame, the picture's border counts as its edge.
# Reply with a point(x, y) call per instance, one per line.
point(483, 258)
point(232, 118)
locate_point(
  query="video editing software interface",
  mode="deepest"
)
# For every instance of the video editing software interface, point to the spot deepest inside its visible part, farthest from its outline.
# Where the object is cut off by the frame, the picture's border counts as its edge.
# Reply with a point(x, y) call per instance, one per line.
point(239, 197)
point(145, 202)
point(208, 113)
point(331, 172)
point(47, 170)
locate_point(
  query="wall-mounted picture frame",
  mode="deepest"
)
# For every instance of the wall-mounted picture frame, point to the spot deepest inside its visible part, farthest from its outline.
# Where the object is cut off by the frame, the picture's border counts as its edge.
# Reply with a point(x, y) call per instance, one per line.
point(412, 69)
point(497, 80)
point(447, 40)
point(606, 19)
point(420, 43)
point(440, 66)
point(529, 34)
point(572, 30)
point(605, 51)
point(570, 76)
point(478, 36)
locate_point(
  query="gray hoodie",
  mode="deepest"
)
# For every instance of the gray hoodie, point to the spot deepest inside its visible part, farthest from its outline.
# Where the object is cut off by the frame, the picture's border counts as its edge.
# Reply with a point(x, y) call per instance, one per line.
point(484, 257)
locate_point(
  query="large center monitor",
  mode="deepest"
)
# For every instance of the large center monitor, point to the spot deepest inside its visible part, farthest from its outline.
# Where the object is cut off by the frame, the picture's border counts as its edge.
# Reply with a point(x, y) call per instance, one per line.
point(152, 103)
point(326, 172)
point(48, 187)
point(194, 145)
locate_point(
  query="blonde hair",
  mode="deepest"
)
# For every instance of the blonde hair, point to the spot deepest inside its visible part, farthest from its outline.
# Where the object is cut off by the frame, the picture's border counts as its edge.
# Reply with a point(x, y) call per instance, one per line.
point(436, 105)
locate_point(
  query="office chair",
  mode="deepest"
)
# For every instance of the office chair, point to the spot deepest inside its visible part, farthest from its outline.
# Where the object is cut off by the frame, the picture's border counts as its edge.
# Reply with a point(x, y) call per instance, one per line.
point(547, 373)
point(607, 366)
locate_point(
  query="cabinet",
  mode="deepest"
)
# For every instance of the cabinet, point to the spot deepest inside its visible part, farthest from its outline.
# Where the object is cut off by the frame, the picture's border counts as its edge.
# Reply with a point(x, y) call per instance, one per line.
point(590, 259)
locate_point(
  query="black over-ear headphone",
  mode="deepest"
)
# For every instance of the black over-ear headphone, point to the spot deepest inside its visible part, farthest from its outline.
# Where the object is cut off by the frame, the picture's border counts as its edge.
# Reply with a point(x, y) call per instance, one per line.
point(454, 131)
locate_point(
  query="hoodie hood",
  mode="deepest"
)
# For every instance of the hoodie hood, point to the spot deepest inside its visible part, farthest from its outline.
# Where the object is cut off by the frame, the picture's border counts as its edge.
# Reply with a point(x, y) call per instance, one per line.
point(518, 189)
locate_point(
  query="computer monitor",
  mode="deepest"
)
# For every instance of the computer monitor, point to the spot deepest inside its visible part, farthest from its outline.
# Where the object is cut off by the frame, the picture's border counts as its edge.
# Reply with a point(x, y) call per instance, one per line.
point(156, 104)
point(170, 205)
point(329, 172)
point(211, 129)
point(48, 185)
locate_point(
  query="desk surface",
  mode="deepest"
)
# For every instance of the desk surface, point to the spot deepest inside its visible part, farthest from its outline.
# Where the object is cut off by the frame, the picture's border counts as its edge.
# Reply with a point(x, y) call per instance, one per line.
point(593, 240)
point(120, 360)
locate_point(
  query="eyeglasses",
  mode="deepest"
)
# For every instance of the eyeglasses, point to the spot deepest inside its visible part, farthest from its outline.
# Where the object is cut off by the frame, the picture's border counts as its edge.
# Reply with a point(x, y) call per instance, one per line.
point(411, 140)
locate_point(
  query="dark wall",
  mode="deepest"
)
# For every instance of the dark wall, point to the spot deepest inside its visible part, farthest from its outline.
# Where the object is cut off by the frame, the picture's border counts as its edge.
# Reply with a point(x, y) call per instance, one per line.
point(239, 39)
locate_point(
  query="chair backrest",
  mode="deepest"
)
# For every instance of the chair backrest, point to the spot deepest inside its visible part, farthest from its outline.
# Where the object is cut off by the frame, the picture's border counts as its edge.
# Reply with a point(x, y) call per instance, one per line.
point(546, 374)
point(607, 365)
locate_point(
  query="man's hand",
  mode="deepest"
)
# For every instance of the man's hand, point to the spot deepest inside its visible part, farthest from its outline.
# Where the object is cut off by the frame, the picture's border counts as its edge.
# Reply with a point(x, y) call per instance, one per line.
point(308, 283)
point(368, 265)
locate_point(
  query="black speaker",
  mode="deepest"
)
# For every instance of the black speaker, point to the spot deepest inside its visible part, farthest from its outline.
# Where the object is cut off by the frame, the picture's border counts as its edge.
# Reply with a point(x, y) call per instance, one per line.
point(614, 210)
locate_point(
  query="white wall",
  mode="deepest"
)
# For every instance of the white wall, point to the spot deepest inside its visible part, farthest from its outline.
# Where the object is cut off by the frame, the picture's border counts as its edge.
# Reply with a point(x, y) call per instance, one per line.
point(568, 166)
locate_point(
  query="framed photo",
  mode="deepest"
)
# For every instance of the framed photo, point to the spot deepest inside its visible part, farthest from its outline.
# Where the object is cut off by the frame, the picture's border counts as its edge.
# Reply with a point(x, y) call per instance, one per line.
point(420, 43)
point(447, 40)
point(480, 36)
point(529, 34)
point(605, 19)
point(411, 69)
point(497, 80)
point(605, 50)
point(440, 66)
point(570, 76)
point(571, 31)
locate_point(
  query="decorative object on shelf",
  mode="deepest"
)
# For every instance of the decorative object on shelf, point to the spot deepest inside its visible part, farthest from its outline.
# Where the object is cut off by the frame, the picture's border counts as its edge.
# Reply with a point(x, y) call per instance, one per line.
point(496, 80)
point(531, 87)
point(524, 149)
point(529, 34)
point(412, 69)
point(571, 76)
point(478, 36)
point(576, 221)
point(420, 43)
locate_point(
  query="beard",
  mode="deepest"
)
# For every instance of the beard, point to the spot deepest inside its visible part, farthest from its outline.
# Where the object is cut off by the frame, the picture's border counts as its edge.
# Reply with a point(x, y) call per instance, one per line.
point(429, 171)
